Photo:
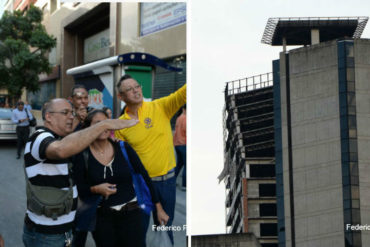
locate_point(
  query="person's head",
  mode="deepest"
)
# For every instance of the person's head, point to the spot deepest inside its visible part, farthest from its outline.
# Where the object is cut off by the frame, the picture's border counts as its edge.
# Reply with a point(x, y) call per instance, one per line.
point(94, 117)
point(129, 90)
point(108, 111)
point(79, 96)
point(20, 105)
point(58, 116)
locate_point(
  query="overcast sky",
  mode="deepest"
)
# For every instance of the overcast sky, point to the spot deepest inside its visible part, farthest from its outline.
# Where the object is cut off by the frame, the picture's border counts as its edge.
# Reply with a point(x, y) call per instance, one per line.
point(225, 45)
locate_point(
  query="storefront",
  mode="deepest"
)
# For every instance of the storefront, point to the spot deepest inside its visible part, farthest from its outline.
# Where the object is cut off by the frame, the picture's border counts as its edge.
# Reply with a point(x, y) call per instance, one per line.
point(100, 77)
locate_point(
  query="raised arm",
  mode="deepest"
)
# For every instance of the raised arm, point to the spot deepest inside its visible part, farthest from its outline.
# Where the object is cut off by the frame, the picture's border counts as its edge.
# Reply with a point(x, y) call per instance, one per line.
point(172, 103)
point(78, 141)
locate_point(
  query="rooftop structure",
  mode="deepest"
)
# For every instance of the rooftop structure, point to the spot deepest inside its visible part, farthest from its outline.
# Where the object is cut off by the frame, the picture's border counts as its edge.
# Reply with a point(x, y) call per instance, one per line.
point(311, 30)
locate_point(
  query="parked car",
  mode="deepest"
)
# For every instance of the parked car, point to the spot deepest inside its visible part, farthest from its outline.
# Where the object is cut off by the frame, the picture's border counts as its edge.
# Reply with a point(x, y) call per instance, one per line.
point(7, 127)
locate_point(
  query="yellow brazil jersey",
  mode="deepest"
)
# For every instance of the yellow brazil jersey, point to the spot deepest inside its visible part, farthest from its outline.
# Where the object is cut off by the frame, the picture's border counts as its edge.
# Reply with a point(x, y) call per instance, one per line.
point(152, 137)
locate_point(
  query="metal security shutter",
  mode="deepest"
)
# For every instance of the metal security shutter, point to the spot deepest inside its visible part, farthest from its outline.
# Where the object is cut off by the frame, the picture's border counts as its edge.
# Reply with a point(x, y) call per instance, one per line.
point(167, 82)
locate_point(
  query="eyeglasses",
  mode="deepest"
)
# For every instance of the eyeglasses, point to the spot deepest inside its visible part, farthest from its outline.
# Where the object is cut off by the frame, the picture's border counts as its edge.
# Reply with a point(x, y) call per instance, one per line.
point(137, 87)
point(65, 113)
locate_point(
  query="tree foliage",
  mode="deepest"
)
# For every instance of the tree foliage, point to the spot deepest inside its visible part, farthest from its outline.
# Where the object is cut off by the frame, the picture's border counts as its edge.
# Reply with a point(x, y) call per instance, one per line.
point(24, 46)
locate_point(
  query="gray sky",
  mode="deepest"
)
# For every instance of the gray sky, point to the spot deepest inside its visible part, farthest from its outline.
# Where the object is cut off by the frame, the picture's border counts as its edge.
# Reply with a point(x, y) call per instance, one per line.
point(225, 45)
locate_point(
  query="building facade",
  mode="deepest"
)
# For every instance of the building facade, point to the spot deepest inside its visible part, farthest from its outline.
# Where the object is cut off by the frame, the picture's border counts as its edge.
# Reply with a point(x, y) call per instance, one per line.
point(88, 33)
point(322, 126)
point(249, 164)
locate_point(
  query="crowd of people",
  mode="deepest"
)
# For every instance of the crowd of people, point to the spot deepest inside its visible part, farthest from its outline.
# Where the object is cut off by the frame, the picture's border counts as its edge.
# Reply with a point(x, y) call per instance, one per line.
point(89, 166)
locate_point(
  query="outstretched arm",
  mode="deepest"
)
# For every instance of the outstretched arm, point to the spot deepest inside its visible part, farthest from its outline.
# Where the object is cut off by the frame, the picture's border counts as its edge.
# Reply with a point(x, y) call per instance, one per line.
point(172, 103)
point(78, 141)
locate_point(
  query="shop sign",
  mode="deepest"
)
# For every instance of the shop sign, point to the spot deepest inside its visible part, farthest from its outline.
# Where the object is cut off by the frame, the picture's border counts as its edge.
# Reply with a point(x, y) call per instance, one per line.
point(158, 16)
point(97, 46)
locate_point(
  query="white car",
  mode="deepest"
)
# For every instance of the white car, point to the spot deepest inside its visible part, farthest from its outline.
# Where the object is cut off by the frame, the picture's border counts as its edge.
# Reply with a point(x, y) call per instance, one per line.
point(7, 127)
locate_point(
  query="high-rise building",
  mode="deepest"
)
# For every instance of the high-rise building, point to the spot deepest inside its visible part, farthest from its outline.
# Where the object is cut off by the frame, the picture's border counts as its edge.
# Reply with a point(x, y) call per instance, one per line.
point(322, 134)
point(249, 170)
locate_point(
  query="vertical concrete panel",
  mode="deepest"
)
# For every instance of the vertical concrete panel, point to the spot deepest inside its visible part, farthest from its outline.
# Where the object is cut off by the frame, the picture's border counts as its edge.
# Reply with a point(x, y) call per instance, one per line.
point(114, 27)
point(253, 191)
point(284, 131)
point(316, 144)
point(301, 231)
point(68, 61)
point(362, 75)
point(302, 206)
point(299, 158)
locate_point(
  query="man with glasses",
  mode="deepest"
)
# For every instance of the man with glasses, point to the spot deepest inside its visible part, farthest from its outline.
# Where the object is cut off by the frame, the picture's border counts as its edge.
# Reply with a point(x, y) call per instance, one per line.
point(21, 117)
point(80, 100)
point(152, 140)
point(46, 164)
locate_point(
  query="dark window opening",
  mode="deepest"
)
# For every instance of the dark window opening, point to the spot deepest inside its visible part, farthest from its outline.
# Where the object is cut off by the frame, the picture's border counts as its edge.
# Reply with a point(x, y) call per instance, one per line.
point(269, 245)
point(267, 190)
point(268, 209)
point(268, 229)
point(262, 171)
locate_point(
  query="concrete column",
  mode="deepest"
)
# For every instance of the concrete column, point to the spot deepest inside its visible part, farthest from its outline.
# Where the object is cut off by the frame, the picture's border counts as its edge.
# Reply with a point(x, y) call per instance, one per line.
point(284, 44)
point(68, 49)
point(315, 36)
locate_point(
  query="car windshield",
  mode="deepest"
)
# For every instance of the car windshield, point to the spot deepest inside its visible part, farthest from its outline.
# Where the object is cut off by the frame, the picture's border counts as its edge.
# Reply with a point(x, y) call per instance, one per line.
point(5, 113)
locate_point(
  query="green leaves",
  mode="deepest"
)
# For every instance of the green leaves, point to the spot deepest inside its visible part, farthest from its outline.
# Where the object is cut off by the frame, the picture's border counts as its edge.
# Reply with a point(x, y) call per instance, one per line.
point(24, 45)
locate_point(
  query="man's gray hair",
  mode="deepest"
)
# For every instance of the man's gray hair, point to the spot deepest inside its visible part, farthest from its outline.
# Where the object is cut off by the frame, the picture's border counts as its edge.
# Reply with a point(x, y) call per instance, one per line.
point(48, 106)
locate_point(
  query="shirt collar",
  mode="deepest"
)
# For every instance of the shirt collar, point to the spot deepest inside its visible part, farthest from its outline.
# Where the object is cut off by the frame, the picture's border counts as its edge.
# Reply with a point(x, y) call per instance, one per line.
point(140, 110)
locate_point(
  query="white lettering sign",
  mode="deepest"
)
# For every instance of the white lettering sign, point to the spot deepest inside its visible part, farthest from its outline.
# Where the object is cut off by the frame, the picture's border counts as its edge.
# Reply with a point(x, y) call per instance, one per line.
point(158, 16)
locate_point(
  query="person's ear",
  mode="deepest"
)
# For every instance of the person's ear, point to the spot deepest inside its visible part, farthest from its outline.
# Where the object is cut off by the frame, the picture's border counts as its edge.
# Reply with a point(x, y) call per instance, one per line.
point(119, 95)
point(47, 117)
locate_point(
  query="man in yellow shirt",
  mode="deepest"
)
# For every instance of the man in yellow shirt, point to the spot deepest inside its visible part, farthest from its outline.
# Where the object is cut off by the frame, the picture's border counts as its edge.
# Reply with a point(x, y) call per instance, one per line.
point(152, 140)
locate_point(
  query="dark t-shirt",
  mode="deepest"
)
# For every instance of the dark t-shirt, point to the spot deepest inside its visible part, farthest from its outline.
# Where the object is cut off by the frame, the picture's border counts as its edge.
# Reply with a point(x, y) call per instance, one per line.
point(118, 174)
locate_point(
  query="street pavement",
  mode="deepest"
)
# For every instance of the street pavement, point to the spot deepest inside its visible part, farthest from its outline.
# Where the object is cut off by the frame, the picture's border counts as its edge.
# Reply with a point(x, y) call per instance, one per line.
point(13, 201)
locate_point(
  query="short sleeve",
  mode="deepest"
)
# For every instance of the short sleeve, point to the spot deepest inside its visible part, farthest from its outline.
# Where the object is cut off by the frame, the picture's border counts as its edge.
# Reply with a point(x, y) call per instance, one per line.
point(40, 145)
